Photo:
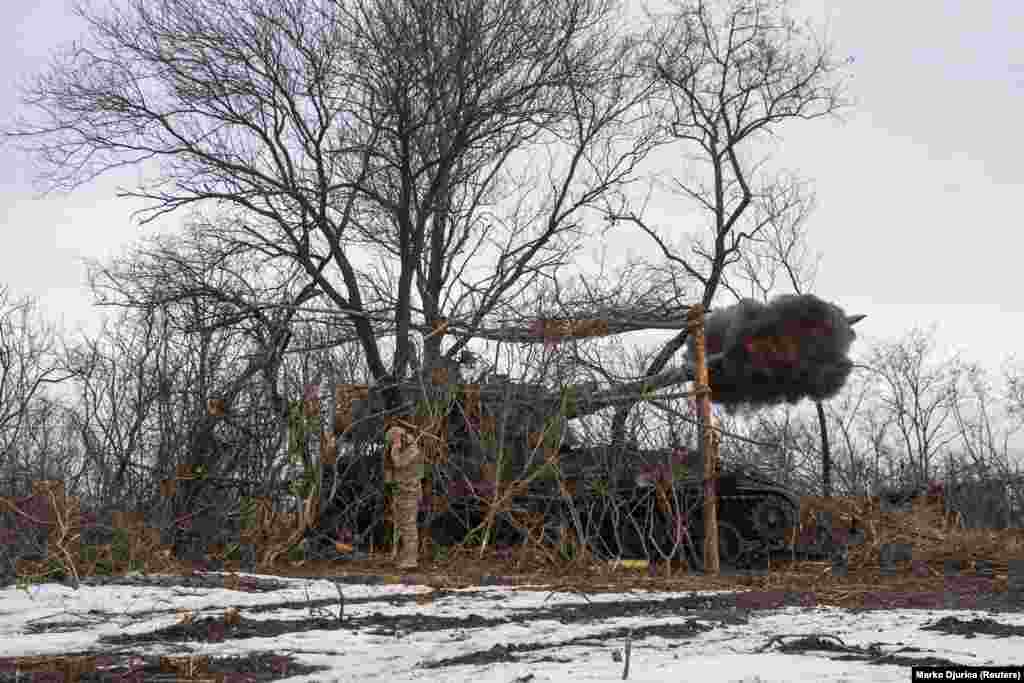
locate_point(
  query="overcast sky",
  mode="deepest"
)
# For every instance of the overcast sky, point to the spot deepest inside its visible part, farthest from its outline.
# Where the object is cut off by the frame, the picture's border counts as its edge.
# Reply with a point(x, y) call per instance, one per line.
point(916, 219)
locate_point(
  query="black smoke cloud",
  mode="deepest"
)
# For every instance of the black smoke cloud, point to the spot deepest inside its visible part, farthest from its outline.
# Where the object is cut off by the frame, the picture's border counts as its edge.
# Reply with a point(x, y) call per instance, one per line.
point(763, 355)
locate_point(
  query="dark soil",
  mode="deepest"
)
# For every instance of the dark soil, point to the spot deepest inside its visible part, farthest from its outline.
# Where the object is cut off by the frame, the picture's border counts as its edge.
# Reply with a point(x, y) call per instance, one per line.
point(974, 627)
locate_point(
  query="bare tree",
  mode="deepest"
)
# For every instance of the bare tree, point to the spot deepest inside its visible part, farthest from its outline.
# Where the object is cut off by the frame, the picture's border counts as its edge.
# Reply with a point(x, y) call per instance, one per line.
point(222, 324)
point(726, 79)
point(862, 428)
point(983, 483)
point(921, 398)
point(1013, 376)
point(28, 367)
point(345, 133)
point(113, 392)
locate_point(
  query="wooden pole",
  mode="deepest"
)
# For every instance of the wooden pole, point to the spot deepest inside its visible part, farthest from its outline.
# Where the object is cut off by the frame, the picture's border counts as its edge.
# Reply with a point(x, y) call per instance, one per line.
point(709, 451)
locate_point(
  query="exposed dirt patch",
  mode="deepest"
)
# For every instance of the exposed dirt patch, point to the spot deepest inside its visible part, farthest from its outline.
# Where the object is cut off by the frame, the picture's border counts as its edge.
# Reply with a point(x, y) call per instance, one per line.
point(511, 652)
point(871, 654)
point(974, 627)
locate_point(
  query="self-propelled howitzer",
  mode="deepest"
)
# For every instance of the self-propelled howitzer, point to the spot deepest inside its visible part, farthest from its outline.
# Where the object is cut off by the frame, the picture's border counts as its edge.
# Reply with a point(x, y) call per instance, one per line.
point(517, 448)
point(506, 448)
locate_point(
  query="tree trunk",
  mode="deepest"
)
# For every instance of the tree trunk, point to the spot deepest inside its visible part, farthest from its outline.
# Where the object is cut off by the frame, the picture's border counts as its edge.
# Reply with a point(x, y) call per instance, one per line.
point(826, 455)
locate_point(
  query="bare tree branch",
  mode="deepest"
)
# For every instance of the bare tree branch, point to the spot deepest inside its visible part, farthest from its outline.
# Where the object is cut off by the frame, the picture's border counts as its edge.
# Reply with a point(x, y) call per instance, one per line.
point(725, 78)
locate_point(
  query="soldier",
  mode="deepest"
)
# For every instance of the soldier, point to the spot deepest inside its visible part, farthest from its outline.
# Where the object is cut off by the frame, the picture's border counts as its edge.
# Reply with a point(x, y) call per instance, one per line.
point(402, 465)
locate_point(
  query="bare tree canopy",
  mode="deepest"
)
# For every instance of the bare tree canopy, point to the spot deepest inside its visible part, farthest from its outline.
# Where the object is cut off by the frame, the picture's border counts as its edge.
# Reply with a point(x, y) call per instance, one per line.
point(28, 365)
point(727, 75)
point(375, 144)
point(921, 399)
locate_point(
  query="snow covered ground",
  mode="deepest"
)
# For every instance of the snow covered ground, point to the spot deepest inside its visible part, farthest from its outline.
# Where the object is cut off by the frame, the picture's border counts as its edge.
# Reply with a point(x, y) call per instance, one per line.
point(401, 632)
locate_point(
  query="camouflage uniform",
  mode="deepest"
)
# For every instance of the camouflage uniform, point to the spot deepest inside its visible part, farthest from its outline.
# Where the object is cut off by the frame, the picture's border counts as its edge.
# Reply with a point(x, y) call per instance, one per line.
point(401, 465)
